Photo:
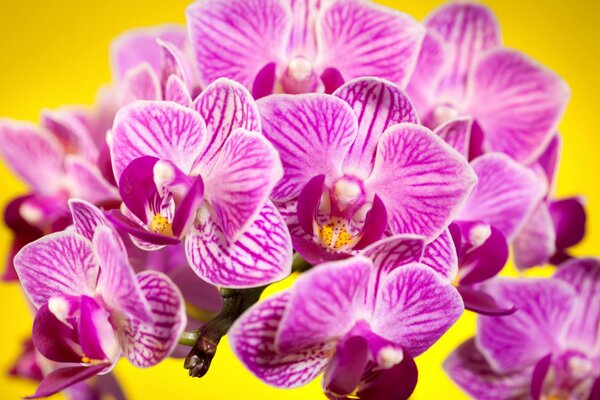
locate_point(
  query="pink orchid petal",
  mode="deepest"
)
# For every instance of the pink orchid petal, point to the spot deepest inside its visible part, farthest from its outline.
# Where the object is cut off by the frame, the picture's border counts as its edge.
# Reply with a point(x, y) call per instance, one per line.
point(569, 219)
point(96, 335)
point(441, 256)
point(58, 264)
point(312, 133)
point(259, 325)
point(88, 182)
point(73, 135)
point(264, 83)
point(246, 170)
point(140, 83)
point(481, 302)
point(236, 38)
point(415, 307)
point(65, 377)
point(421, 180)
point(165, 130)
point(146, 344)
point(262, 255)
point(395, 383)
point(87, 218)
point(176, 63)
point(302, 37)
point(505, 195)
point(517, 102)
point(535, 243)
point(457, 133)
point(364, 39)
point(324, 305)
point(54, 339)
point(176, 91)
point(378, 104)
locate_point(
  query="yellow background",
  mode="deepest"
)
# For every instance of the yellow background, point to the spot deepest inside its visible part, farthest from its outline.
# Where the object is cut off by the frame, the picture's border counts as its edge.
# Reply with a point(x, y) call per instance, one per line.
point(56, 52)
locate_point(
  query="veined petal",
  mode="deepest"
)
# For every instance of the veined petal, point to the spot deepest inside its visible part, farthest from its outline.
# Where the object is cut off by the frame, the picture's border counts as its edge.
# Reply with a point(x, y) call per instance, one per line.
point(467, 30)
point(302, 40)
point(518, 340)
point(347, 366)
point(53, 339)
point(469, 369)
point(32, 155)
point(87, 218)
point(165, 130)
point(363, 39)
point(422, 181)
point(63, 378)
point(245, 172)
point(176, 63)
point(505, 195)
point(263, 254)
point(517, 102)
point(312, 133)
point(236, 38)
point(146, 344)
point(415, 307)
point(117, 283)
point(225, 106)
point(87, 182)
point(584, 275)
point(139, 83)
point(535, 243)
point(457, 133)
point(440, 255)
point(74, 136)
point(59, 264)
point(252, 339)
point(138, 46)
point(176, 91)
point(96, 334)
point(378, 104)
point(324, 305)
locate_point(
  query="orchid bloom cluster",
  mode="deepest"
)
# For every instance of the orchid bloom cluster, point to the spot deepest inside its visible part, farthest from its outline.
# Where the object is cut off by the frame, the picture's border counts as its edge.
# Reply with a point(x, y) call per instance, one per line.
point(393, 165)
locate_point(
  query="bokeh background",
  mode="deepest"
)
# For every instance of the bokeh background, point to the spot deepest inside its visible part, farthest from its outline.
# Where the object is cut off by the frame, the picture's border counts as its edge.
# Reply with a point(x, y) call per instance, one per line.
point(55, 52)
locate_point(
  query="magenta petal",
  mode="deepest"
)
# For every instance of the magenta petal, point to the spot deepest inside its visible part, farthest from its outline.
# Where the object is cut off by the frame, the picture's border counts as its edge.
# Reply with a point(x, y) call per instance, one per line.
point(324, 305)
point(185, 213)
point(481, 261)
point(505, 195)
point(53, 339)
point(96, 335)
point(375, 224)
point(516, 341)
point(87, 181)
point(332, 79)
point(72, 134)
point(58, 264)
point(264, 83)
point(479, 301)
point(421, 180)
point(363, 39)
point(539, 375)
point(246, 170)
point(470, 370)
point(378, 104)
point(569, 218)
point(415, 307)
point(308, 201)
point(312, 134)
point(347, 366)
point(390, 253)
point(396, 383)
point(252, 340)
point(132, 227)
point(147, 344)
point(140, 83)
point(535, 243)
point(137, 187)
point(441, 256)
point(457, 133)
point(263, 254)
point(175, 63)
point(176, 91)
point(236, 38)
point(62, 378)
point(517, 102)
point(86, 218)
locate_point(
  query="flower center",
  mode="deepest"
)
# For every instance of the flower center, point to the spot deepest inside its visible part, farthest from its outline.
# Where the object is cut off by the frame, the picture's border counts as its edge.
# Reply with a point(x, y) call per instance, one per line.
point(299, 77)
point(161, 225)
point(335, 235)
point(443, 113)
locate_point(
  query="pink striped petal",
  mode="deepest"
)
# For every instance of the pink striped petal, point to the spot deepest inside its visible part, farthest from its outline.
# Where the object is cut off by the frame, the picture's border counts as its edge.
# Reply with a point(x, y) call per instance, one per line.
point(422, 181)
point(505, 195)
point(87, 218)
point(312, 133)
point(252, 340)
point(87, 181)
point(74, 136)
point(164, 130)
point(140, 83)
point(225, 106)
point(517, 102)
point(59, 264)
point(415, 307)
point(363, 39)
point(263, 254)
point(302, 38)
point(536, 329)
point(467, 30)
point(117, 282)
point(176, 63)
point(32, 155)
point(176, 91)
point(236, 38)
point(457, 133)
point(96, 334)
point(441, 256)
point(324, 305)
point(64, 378)
point(246, 170)
point(138, 46)
point(378, 104)
point(535, 243)
point(147, 344)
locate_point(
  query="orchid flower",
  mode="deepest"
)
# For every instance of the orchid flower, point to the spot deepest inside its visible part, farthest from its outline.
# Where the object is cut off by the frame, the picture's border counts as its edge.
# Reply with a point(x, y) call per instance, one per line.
point(463, 70)
point(301, 46)
point(152, 64)
point(356, 165)
point(556, 224)
point(91, 306)
point(57, 160)
point(203, 174)
point(361, 320)
point(548, 349)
